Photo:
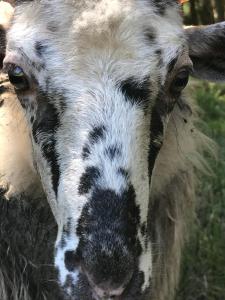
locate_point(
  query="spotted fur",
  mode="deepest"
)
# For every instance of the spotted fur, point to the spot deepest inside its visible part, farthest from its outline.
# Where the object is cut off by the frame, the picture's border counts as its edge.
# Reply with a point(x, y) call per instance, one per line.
point(109, 143)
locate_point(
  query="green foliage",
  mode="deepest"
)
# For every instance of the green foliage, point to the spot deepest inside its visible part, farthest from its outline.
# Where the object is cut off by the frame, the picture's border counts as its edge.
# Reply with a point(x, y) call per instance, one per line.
point(203, 271)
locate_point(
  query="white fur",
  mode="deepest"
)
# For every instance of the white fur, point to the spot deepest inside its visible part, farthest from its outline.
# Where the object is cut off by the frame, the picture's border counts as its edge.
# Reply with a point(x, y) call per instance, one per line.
point(71, 244)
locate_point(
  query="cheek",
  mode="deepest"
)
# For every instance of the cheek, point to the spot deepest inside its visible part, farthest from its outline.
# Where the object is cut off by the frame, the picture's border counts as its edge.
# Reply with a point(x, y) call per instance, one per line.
point(40, 162)
point(44, 171)
point(29, 105)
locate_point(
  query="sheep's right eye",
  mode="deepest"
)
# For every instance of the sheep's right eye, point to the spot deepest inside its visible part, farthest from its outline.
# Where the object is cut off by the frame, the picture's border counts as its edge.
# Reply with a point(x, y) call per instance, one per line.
point(18, 78)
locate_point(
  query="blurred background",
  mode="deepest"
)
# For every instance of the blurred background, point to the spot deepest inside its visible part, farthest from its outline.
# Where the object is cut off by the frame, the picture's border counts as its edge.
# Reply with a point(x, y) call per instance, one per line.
point(203, 269)
point(198, 12)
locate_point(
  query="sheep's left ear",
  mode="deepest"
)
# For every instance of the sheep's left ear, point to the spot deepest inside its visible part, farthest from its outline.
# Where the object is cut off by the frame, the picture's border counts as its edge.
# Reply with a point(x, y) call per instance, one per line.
point(207, 51)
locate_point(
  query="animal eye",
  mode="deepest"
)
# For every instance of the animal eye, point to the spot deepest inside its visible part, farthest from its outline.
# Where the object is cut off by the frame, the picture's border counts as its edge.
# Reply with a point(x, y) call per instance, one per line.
point(18, 78)
point(180, 81)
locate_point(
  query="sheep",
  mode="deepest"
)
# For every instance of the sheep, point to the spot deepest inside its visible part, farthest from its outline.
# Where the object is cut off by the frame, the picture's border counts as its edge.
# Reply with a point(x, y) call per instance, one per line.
point(108, 147)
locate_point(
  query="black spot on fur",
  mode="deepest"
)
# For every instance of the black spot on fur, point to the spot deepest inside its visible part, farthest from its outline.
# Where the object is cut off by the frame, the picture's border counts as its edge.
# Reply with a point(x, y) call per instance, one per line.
point(46, 124)
point(136, 92)
point(150, 33)
point(39, 48)
point(48, 149)
point(158, 52)
point(124, 173)
point(143, 229)
point(85, 152)
point(67, 228)
point(112, 152)
point(38, 66)
point(96, 134)
point(88, 179)
point(70, 260)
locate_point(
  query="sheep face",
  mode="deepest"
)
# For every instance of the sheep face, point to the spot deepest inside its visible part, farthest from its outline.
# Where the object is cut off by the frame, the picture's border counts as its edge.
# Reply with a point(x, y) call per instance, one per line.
point(98, 81)
point(98, 84)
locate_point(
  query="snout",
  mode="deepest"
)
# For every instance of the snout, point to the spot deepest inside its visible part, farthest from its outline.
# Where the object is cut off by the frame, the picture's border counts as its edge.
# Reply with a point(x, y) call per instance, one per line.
point(106, 267)
point(107, 248)
point(107, 290)
point(110, 287)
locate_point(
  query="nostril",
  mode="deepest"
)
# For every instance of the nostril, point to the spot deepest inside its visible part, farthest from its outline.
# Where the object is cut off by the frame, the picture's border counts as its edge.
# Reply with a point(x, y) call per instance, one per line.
point(70, 260)
point(114, 297)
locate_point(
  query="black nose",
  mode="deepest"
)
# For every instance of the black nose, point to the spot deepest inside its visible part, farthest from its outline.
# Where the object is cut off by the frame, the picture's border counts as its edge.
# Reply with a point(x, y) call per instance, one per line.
point(108, 270)
point(106, 284)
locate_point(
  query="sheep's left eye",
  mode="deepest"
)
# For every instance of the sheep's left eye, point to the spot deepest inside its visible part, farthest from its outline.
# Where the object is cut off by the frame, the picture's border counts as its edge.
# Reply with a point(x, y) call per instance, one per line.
point(180, 81)
point(18, 78)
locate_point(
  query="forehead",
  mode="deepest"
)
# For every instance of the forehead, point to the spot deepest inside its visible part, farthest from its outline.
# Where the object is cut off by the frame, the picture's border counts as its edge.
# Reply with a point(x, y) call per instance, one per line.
point(77, 31)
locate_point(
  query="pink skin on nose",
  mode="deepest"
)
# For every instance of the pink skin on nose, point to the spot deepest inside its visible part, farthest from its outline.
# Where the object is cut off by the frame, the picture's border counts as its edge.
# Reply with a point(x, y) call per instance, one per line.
point(107, 294)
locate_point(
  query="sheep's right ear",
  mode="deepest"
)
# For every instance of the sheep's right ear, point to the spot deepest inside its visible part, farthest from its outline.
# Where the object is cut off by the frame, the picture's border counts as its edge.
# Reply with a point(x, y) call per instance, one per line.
point(207, 51)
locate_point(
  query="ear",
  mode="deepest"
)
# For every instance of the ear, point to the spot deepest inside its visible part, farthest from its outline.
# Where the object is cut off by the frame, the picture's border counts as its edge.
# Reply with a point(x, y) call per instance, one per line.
point(207, 51)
